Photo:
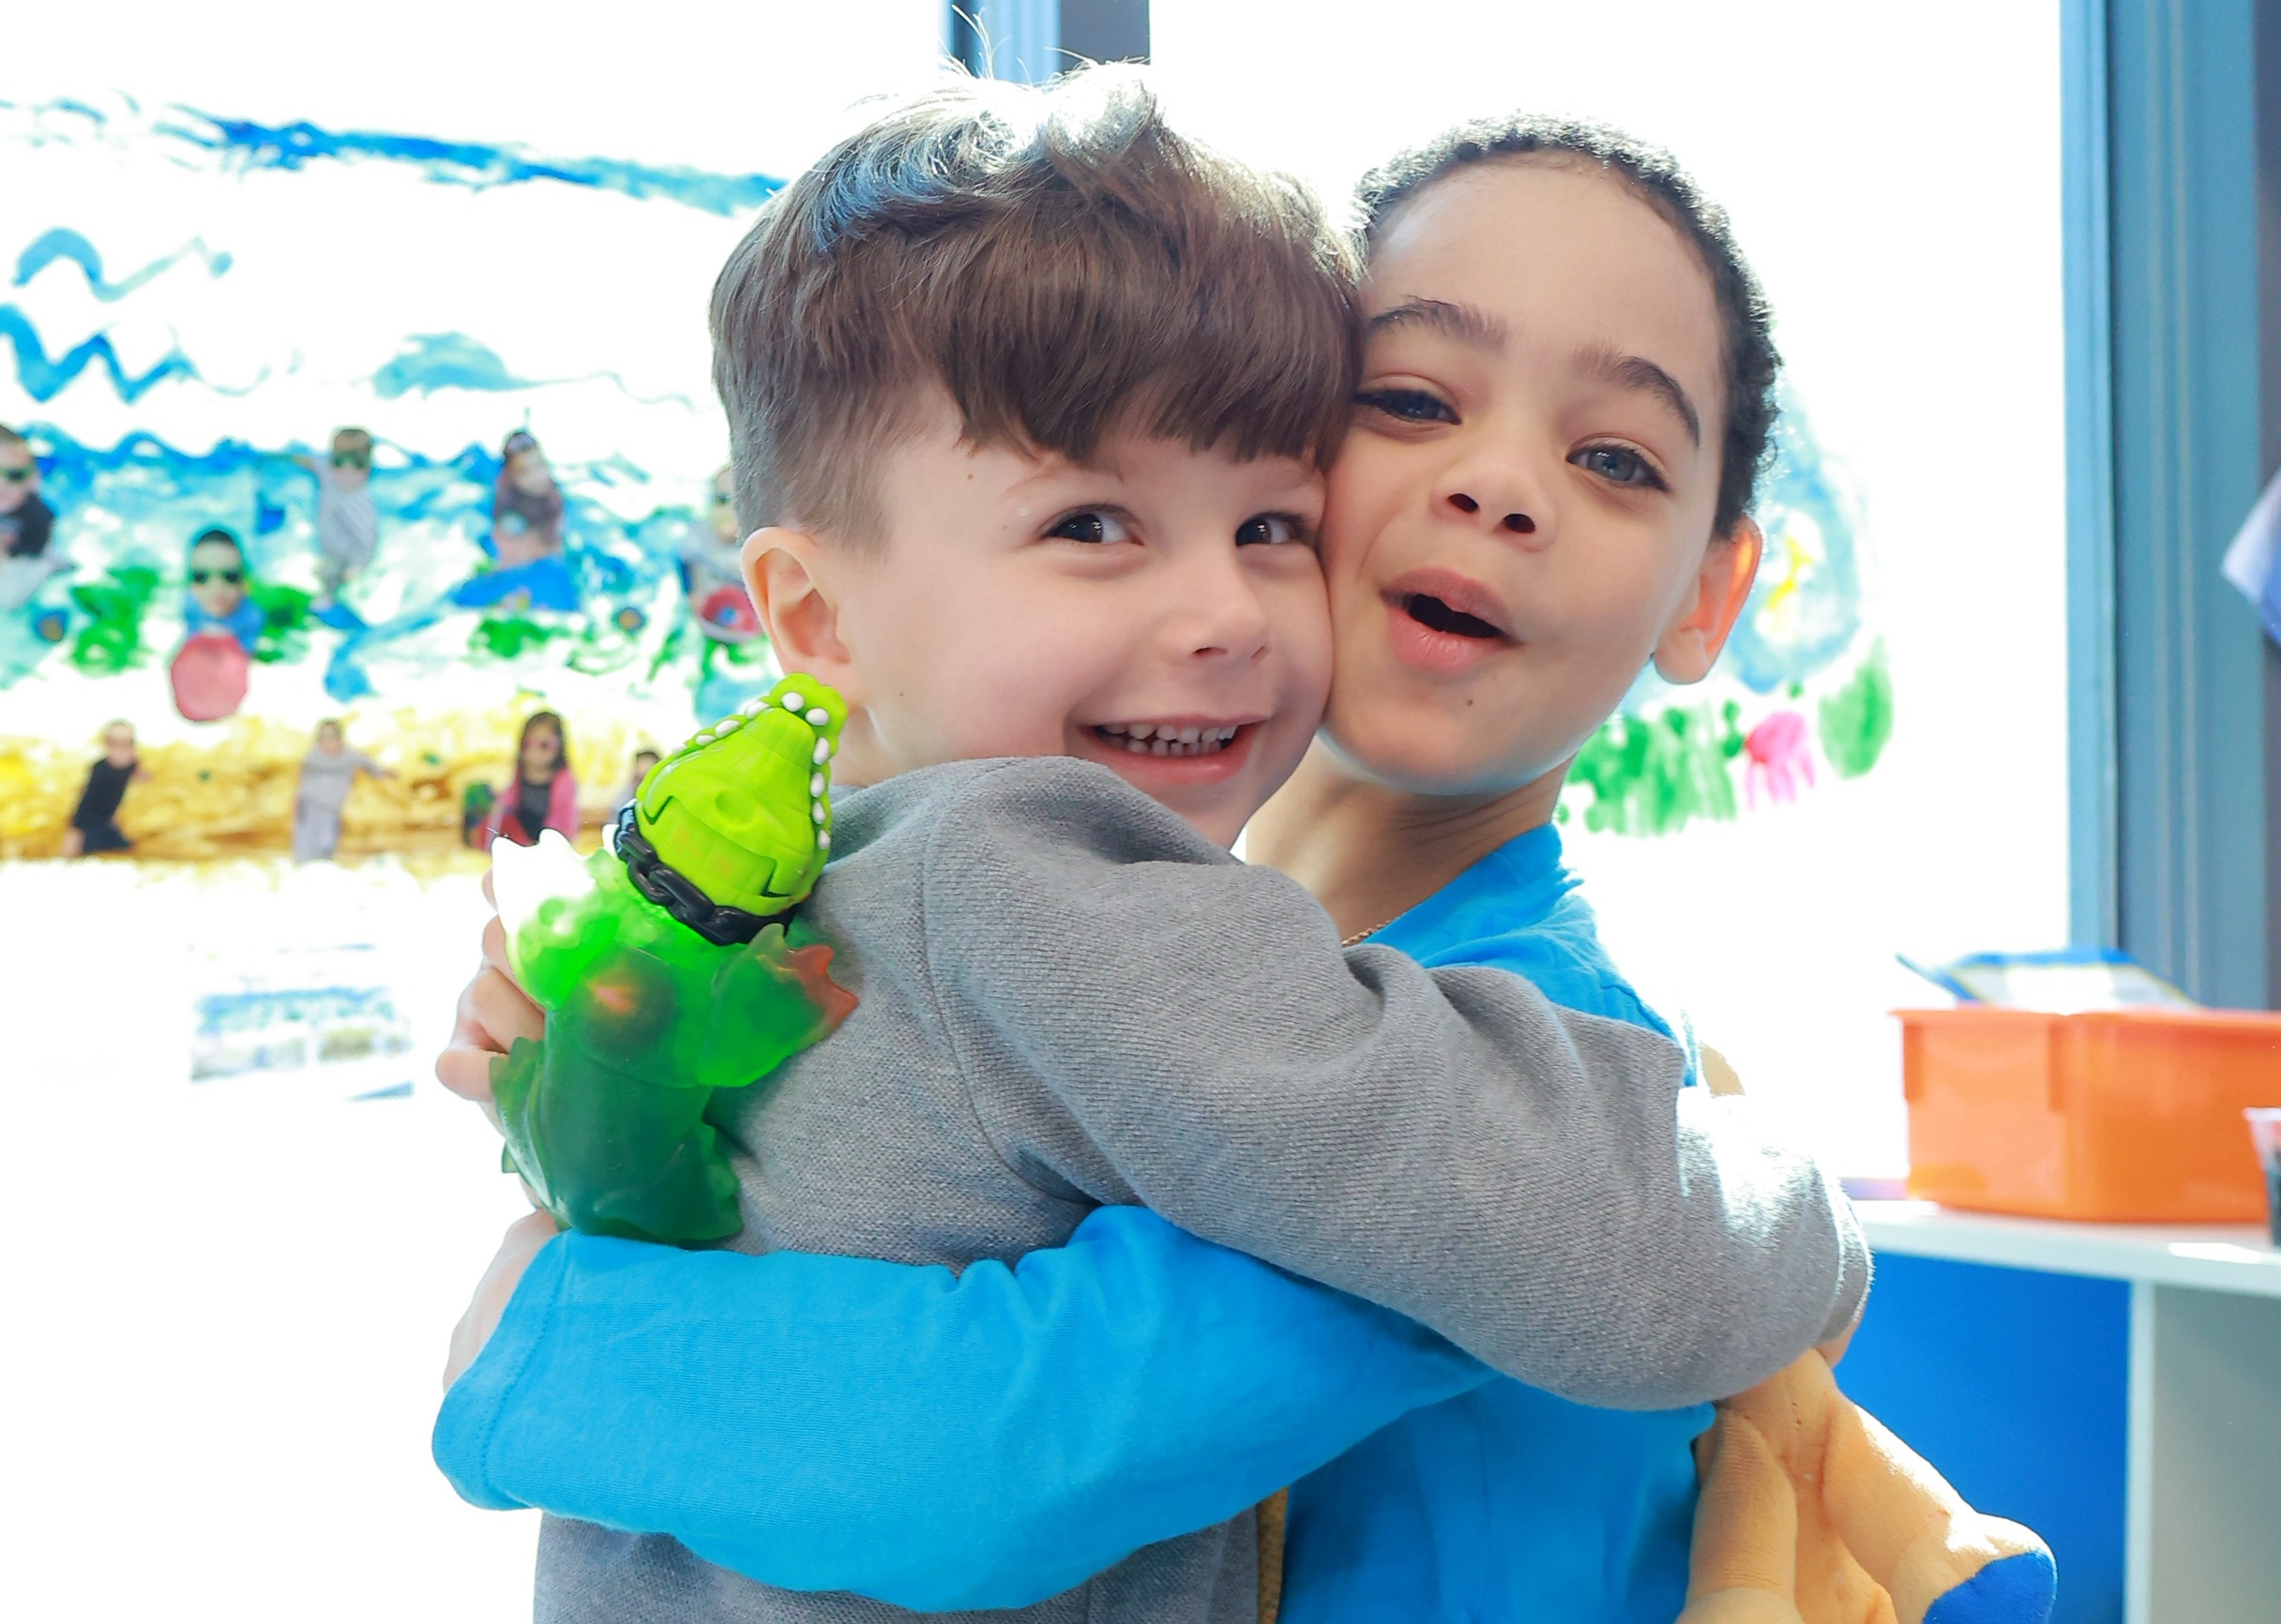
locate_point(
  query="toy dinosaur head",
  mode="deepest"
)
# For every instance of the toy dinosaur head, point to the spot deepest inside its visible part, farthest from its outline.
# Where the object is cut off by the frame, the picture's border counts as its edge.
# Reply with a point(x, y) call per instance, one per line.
point(742, 810)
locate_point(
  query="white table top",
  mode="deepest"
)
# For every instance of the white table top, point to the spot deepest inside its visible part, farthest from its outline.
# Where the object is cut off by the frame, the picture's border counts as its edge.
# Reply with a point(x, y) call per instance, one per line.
point(2214, 1258)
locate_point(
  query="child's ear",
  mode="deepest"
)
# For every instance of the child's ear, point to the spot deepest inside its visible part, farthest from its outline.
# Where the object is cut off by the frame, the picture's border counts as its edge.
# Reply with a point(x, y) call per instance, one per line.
point(1691, 645)
point(789, 576)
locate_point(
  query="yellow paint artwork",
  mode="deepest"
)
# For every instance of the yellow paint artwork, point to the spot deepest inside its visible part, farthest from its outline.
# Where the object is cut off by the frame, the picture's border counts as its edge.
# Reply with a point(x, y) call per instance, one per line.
point(234, 797)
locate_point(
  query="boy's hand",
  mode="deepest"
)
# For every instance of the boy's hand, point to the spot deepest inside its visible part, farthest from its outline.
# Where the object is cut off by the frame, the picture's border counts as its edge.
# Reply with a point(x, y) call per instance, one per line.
point(521, 1243)
point(492, 1014)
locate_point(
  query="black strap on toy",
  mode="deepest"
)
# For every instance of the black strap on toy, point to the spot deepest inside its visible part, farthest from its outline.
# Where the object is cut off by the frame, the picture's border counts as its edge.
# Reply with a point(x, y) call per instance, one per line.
point(673, 891)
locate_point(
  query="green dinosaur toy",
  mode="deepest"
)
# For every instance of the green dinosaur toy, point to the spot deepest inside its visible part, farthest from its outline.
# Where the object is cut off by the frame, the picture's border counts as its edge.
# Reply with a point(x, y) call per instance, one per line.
point(666, 973)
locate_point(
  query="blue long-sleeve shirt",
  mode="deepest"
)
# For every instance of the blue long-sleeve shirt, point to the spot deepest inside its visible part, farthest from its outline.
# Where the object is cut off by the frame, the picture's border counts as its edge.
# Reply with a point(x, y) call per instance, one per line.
point(1506, 1502)
point(829, 1422)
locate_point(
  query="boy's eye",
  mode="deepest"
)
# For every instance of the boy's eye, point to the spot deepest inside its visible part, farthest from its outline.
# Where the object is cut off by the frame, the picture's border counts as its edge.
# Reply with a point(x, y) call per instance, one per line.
point(1269, 529)
point(1619, 465)
point(1411, 405)
point(1091, 525)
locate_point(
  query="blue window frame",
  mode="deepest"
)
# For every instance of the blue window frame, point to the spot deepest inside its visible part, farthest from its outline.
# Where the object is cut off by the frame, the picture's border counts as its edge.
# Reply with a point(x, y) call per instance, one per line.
point(2167, 728)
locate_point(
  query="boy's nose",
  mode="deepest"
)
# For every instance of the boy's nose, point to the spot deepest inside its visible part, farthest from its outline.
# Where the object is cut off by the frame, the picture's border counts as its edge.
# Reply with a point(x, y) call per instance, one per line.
point(1515, 522)
point(1225, 618)
point(1236, 627)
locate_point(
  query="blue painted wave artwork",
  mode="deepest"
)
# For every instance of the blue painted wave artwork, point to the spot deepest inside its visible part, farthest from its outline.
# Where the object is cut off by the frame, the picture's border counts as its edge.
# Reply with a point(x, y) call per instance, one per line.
point(243, 145)
point(62, 244)
point(427, 362)
point(432, 361)
point(43, 378)
point(610, 603)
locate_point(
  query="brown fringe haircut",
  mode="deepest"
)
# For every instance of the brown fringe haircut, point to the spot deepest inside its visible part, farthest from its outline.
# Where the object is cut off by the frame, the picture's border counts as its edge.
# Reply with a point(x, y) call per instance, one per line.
point(1060, 264)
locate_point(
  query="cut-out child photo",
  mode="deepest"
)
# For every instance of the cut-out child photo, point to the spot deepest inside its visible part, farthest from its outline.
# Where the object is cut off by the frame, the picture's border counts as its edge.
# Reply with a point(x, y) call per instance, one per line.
point(221, 626)
point(713, 571)
point(94, 828)
point(526, 503)
point(27, 524)
point(1082, 546)
point(644, 758)
point(543, 794)
point(526, 537)
point(328, 773)
point(348, 521)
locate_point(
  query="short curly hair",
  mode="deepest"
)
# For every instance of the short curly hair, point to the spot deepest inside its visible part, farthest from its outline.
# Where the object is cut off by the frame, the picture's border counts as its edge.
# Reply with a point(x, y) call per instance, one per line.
point(1655, 176)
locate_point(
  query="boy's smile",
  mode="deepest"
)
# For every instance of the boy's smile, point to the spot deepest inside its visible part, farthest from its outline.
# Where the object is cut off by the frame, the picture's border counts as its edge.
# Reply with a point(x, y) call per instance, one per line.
point(1157, 609)
point(1518, 524)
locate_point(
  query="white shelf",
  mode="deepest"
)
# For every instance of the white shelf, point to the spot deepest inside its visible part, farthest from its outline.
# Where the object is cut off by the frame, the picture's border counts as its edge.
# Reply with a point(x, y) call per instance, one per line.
point(2237, 1257)
point(2203, 1490)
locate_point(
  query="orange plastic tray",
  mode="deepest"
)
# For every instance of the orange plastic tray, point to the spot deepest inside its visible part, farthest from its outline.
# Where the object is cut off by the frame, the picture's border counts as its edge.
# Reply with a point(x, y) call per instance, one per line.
point(2127, 1116)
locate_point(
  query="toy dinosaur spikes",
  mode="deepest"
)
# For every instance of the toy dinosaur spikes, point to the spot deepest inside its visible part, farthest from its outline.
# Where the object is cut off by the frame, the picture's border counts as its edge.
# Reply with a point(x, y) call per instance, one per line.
point(666, 972)
point(742, 810)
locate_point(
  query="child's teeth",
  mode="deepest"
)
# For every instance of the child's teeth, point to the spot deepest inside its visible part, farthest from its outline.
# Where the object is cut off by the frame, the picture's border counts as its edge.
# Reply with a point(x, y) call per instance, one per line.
point(1164, 739)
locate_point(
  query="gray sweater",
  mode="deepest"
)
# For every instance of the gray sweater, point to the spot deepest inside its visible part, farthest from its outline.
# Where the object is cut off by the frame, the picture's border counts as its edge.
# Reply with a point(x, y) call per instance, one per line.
point(1069, 999)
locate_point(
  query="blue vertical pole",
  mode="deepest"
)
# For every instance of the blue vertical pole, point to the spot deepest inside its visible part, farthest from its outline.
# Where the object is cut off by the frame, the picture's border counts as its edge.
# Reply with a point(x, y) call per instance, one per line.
point(2187, 667)
point(2094, 868)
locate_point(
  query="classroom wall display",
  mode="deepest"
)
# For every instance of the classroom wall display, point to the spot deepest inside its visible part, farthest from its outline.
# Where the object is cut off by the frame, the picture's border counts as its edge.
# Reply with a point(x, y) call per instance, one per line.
point(218, 257)
point(1803, 695)
point(283, 343)
point(1879, 763)
point(395, 409)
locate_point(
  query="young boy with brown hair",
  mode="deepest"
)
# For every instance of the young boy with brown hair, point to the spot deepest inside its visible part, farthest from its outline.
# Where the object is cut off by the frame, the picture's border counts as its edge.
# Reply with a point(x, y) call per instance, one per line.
point(1029, 418)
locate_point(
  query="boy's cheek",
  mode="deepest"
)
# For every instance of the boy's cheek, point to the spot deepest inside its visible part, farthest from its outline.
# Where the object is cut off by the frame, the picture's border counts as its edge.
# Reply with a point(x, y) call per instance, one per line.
point(1304, 631)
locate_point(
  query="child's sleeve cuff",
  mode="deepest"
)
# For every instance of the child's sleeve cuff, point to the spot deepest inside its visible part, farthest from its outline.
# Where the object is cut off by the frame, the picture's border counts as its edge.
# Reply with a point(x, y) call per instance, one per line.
point(478, 1403)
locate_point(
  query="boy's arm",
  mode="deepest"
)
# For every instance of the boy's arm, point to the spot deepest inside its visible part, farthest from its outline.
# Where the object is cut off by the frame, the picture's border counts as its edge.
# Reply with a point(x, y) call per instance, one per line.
point(936, 1442)
point(1136, 1013)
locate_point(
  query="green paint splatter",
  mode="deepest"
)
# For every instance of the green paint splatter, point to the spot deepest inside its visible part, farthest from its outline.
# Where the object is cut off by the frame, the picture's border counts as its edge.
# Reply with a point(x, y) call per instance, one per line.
point(1857, 719)
point(602, 649)
point(668, 650)
point(1648, 775)
point(111, 641)
point(284, 622)
point(508, 636)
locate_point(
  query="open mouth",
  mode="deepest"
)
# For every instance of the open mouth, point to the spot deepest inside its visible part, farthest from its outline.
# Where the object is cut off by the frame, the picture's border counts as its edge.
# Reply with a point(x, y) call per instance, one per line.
point(1167, 738)
point(1436, 615)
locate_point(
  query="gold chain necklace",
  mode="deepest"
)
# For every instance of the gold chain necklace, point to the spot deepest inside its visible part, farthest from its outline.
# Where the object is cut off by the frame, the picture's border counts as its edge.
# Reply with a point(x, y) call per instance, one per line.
point(1363, 936)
